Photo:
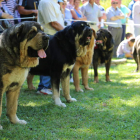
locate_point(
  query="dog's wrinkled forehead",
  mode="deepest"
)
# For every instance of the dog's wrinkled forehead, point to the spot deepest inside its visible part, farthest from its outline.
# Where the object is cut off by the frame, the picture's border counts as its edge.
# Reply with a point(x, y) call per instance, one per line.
point(79, 26)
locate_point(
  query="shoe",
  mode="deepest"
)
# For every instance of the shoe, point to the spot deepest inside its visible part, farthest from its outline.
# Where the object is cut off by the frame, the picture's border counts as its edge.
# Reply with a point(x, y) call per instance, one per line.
point(71, 80)
point(45, 91)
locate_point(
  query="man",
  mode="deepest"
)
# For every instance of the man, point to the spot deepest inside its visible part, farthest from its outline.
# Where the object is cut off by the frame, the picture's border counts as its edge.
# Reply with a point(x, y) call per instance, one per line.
point(50, 17)
point(126, 11)
point(136, 17)
point(28, 8)
point(114, 15)
point(93, 13)
point(103, 18)
point(125, 48)
point(130, 20)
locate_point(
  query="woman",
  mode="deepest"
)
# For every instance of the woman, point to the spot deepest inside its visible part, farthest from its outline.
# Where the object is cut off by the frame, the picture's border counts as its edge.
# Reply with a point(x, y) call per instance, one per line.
point(76, 12)
point(4, 14)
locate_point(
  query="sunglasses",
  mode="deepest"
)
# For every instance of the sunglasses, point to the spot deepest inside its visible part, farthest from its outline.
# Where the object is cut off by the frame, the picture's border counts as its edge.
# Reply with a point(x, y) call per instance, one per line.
point(114, 2)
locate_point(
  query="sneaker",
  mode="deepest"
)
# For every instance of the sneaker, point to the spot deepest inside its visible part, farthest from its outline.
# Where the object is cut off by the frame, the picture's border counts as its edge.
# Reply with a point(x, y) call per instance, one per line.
point(45, 91)
point(71, 80)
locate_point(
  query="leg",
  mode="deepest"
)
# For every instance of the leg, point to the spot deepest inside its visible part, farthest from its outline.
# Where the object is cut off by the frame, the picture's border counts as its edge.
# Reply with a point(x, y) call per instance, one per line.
point(1, 95)
point(55, 80)
point(12, 103)
point(76, 77)
point(65, 86)
point(30, 81)
point(85, 78)
point(107, 65)
point(95, 66)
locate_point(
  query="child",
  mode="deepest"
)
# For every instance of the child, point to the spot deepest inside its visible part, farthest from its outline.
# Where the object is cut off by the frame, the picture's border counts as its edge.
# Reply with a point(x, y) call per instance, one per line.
point(125, 48)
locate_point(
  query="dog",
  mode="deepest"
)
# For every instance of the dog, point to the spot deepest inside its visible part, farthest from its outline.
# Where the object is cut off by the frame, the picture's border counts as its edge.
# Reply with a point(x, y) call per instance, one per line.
point(64, 47)
point(136, 52)
point(17, 44)
point(103, 52)
point(83, 63)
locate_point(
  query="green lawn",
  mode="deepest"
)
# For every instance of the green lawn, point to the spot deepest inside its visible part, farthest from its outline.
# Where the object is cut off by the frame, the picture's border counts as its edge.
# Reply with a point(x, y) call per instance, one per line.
point(111, 111)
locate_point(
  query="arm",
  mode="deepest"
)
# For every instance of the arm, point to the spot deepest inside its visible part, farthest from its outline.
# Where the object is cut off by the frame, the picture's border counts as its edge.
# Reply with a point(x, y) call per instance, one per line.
point(74, 15)
point(23, 11)
point(6, 16)
point(56, 25)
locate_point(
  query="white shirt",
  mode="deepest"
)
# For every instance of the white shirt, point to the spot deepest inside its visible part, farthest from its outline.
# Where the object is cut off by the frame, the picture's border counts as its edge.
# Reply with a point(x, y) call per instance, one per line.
point(49, 11)
point(124, 48)
point(136, 12)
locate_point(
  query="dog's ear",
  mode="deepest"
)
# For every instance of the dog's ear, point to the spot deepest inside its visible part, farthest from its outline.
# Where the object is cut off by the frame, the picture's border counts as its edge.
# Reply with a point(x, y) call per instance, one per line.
point(70, 34)
point(94, 33)
point(19, 28)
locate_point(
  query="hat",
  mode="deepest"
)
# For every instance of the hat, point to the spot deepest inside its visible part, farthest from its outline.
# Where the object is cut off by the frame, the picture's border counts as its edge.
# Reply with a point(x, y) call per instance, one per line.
point(60, 0)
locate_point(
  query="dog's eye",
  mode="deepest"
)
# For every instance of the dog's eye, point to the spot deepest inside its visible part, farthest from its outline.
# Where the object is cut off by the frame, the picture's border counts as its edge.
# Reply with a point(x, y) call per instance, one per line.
point(82, 24)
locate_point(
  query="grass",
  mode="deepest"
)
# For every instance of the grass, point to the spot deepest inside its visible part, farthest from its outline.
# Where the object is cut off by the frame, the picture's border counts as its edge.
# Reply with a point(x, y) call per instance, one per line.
point(110, 112)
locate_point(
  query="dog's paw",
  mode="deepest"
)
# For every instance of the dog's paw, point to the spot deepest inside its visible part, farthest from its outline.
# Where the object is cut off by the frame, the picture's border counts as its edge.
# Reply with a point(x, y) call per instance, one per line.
point(1, 128)
point(108, 80)
point(73, 100)
point(21, 122)
point(88, 88)
point(96, 81)
point(79, 90)
point(59, 103)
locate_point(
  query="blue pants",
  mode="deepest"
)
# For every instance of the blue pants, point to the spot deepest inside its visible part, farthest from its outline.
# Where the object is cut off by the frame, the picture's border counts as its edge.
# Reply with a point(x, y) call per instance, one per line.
point(45, 82)
point(123, 32)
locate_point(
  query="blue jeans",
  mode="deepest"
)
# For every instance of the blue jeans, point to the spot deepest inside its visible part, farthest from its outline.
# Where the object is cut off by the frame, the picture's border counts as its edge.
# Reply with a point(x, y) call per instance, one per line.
point(45, 82)
point(123, 32)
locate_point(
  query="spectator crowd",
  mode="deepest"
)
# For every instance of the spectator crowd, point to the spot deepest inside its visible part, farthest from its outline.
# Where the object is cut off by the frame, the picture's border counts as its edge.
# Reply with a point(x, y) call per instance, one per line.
point(54, 15)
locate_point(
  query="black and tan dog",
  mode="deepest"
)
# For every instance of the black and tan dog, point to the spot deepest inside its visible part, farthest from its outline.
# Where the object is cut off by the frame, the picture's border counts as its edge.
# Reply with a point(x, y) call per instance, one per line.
point(83, 63)
point(136, 52)
point(103, 52)
point(63, 49)
point(17, 44)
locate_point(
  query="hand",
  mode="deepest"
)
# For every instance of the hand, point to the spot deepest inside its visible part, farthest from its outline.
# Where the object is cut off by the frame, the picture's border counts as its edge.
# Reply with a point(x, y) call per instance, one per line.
point(99, 26)
point(35, 12)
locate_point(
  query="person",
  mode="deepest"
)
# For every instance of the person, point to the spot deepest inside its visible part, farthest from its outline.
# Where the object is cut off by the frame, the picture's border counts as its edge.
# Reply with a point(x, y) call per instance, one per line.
point(11, 5)
point(128, 35)
point(70, 4)
point(103, 17)
point(50, 17)
point(126, 11)
point(4, 14)
point(130, 20)
point(76, 12)
point(93, 13)
point(136, 17)
point(84, 1)
point(125, 48)
point(114, 15)
point(28, 8)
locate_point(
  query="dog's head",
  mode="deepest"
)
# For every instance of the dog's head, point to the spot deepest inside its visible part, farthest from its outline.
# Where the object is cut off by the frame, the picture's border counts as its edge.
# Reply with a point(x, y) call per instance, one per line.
point(104, 40)
point(28, 41)
point(78, 34)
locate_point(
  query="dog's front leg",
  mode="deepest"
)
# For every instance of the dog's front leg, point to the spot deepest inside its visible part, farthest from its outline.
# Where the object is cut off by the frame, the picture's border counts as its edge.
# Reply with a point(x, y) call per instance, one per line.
point(107, 65)
point(1, 95)
point(12, 103)
point(56, 92)
point(65, 81)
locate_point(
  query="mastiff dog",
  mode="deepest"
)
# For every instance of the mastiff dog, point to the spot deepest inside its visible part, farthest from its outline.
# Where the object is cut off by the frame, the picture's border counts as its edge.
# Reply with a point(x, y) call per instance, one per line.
point(18, 45)
point(64, 47)
point(136, 52)
point(103, 52)
point(83, 63)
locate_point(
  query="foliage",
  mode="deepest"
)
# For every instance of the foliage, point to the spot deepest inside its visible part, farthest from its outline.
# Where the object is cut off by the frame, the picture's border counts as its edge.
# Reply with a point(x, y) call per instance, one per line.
point(109, 112)
point(106, 3)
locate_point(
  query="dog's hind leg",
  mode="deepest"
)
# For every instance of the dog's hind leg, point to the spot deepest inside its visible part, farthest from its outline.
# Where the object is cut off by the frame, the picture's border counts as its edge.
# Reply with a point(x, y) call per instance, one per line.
point(85, 78)
point(65, 86)
point(12, 103)
point(95, 66)
point(30, 81)
point(107, 65)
